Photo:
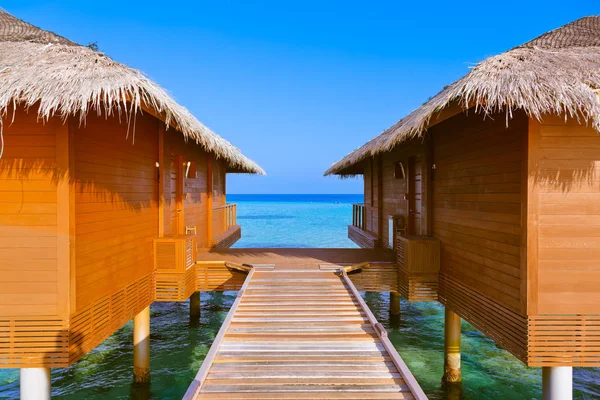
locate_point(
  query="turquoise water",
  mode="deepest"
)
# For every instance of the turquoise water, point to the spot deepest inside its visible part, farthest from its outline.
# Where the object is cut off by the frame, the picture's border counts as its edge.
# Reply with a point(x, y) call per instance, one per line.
point(178, 345)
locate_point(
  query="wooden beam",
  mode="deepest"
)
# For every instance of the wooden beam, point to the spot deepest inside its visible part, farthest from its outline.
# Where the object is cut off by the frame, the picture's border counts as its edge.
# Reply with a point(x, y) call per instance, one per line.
point(529, 219)
point(380, 199)
point(209, 198)
point(179, 195)
point(65, 220)
point(238, 267)
point(161, 179)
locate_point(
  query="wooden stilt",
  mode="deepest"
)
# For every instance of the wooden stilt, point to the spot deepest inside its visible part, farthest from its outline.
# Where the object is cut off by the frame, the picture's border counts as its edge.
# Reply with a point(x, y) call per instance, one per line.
point(451, 347)
point(195, 305)
point(141, 346)
point(394, 303)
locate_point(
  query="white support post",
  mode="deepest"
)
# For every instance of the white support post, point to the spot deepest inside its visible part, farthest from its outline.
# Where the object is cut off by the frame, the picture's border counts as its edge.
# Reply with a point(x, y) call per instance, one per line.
point(557, 383)
point(35, 383)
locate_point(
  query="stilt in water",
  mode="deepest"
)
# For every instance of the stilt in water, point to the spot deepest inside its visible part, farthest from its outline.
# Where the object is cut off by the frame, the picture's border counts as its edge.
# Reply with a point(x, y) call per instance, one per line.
point(557, 383)
point(451, 347)
point(195, 305)
point(394, 303)
point(141, 346)
point(35, 383)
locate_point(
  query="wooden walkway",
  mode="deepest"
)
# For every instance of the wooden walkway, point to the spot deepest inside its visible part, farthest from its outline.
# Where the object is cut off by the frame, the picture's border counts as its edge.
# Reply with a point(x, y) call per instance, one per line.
point(302, 331)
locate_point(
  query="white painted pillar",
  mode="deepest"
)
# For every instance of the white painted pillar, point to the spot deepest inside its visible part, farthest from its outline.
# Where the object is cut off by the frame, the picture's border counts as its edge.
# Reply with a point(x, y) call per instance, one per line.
point(557, 383)
point(35, 383)
point(141, 346)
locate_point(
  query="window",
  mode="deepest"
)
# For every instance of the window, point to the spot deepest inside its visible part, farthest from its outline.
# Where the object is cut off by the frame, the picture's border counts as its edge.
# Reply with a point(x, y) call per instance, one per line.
point(391, 229)
point(399, 171)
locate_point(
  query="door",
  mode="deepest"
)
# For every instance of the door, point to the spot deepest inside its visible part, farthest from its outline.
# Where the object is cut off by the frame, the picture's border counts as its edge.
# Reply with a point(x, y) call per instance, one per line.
point(180, 223)
point(174, 223)
point(415, 196)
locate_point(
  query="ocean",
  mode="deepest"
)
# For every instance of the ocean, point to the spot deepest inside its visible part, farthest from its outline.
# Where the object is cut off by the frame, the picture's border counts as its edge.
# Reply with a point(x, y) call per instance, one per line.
point(178, 346)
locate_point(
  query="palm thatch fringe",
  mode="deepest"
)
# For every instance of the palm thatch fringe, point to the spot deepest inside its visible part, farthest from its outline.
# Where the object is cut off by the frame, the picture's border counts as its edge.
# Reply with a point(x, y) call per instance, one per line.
point(563, 78)
point(61, 78)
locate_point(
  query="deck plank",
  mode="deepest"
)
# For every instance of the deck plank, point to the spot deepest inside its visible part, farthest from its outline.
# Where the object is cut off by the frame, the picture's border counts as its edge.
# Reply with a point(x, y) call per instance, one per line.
point(302, 333)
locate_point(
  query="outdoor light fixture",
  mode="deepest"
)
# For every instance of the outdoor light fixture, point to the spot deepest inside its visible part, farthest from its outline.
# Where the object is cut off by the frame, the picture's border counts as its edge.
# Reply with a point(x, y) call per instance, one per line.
point(399, 172)
point(190, 169)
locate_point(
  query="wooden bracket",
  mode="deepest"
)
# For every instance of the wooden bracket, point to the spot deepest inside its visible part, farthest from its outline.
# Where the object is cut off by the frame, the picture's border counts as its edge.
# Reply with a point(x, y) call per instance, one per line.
point(246, 268)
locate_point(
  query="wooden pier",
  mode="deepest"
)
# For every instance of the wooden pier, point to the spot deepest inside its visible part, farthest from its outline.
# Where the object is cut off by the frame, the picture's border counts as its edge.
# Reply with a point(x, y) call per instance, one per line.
point(302, 331)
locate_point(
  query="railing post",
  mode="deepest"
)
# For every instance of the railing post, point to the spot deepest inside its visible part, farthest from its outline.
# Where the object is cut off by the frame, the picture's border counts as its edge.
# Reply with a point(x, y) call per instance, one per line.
point(363, 221)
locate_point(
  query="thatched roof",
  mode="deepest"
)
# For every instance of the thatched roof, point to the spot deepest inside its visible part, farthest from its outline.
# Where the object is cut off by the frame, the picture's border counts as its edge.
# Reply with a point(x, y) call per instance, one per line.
point(556, 73)
point(65, 79)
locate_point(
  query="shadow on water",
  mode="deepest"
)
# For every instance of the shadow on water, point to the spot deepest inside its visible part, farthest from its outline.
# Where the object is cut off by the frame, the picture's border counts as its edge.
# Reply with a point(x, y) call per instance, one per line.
point(141, 391)
point(452, 391)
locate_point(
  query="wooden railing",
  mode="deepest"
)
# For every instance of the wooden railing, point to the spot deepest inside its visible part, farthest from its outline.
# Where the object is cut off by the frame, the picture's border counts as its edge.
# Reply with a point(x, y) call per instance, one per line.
point(359, 216)
point(224, 217)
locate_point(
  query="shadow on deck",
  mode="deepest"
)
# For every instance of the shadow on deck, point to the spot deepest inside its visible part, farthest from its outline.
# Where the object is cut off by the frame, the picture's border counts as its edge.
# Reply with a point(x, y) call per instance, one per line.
point(296, 256)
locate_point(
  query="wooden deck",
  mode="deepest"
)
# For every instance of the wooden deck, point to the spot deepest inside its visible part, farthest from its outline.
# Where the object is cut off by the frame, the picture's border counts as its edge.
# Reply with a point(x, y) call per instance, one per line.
point(296, 256)
point(302, 331)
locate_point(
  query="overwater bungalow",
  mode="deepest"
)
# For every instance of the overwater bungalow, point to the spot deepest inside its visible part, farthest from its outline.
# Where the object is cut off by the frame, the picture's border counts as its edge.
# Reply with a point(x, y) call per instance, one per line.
point(489, 194)
point(107, 188)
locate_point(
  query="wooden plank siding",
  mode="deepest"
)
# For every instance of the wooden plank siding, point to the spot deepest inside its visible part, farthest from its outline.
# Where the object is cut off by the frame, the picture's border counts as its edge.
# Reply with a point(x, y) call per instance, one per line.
point(384, 194)
point(396, 191)
point(477, 210)
point(567, 183)
point(34, 242)
point(194, 189)
point(116, 205)
point(79, 210)
point(195, 199)
point(514, 204)
point(564, 243)
point(29, 242)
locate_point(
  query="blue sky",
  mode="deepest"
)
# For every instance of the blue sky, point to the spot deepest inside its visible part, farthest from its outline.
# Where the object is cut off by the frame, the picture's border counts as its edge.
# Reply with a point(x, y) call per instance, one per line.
point(298, 84)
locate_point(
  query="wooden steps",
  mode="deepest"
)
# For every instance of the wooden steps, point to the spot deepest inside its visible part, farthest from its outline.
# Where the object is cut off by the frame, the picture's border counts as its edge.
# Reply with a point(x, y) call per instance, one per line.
point(302, 333)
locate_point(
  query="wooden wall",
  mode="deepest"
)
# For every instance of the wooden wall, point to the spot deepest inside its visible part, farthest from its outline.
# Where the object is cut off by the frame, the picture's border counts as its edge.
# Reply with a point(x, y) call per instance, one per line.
point(565, 198)
point(195, 201)
point(34, 241)
point(370, 177)
point(394, 189)
point(219, 183)
point(116, 207)
point(194, 198)
point(384, 194)
point(31, 257)
point(477, 211)
point(219, 199)
point(79, 211)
